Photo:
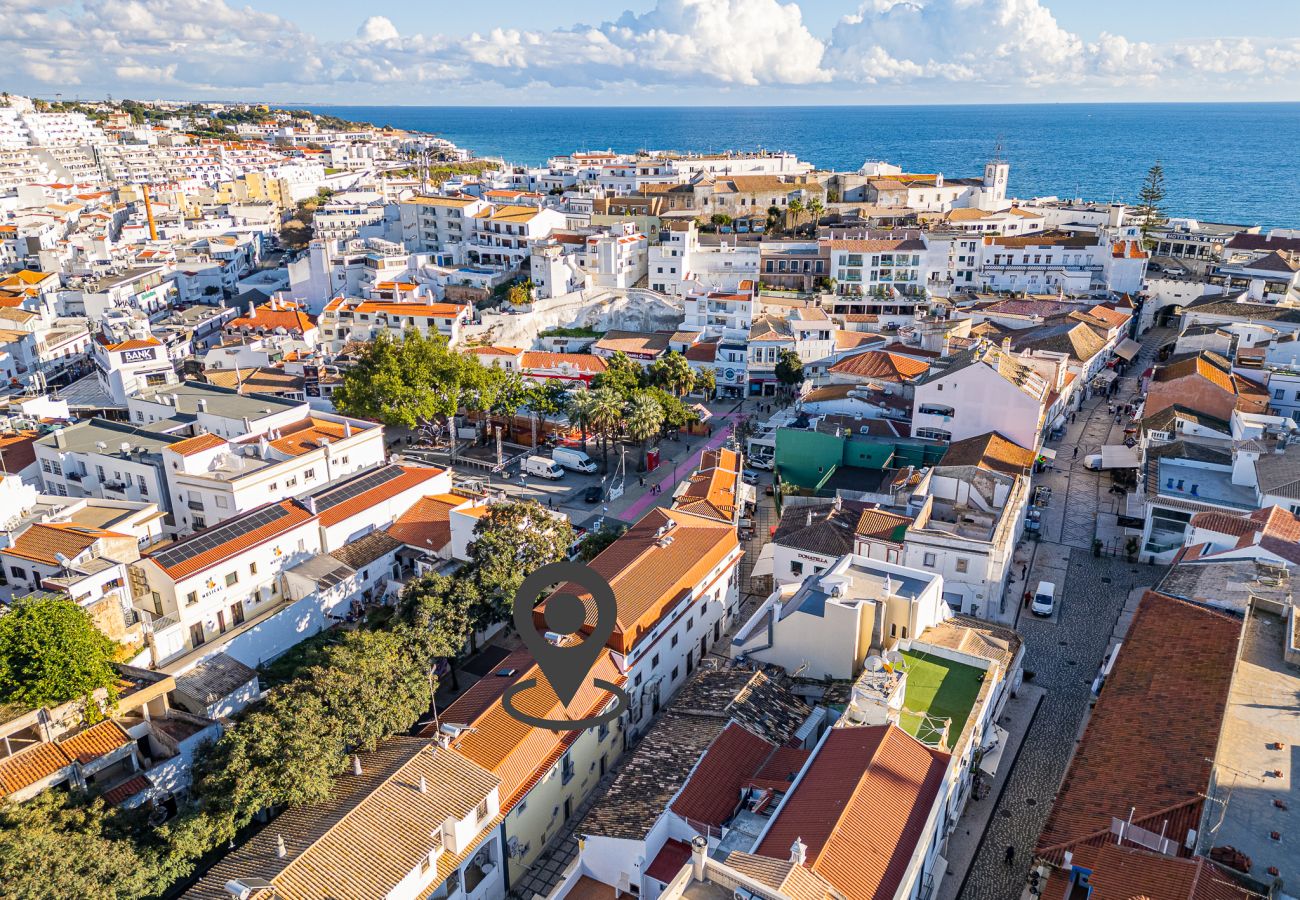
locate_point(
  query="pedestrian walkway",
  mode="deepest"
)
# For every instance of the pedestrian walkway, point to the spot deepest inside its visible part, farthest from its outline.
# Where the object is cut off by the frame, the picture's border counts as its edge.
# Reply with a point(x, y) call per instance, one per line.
point(964, 841)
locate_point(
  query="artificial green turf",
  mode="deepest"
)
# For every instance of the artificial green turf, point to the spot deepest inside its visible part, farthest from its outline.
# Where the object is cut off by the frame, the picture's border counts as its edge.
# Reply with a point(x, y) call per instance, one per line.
point(941, 688)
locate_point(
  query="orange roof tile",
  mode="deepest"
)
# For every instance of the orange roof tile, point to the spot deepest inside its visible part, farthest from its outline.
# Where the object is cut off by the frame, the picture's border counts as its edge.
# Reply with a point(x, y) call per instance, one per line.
point(398, 309)
point(1163, 703)
point(990, 451)
point(193, 554)
point(427, 524)
point(96, 741)
point(713, 792)
point(651, 567)
point(44, 540)
point(861, 808)
point(197, 444)
point(410, 477)
point(305, 436)
point(26, 767)
point(583, 362)
point(881, 365)
point(1131, 873)
point(285, 315)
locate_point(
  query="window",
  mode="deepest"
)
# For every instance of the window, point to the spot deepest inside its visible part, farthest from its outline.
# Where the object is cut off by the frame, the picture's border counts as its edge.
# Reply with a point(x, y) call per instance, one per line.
point(196, 634)
point(674, 678)
point(252, 568)
point(481, 811)
point(566, 769)
point(961, 564)
point(893, 629)
point(232, 578)
point(654, 663)
point(928, 560)
point(796, 568)
point(18, 572)
point(222, 501)
point(309, 475)
point(425, 865)
point(200, 523)
point(674, 643)
point(191, 598)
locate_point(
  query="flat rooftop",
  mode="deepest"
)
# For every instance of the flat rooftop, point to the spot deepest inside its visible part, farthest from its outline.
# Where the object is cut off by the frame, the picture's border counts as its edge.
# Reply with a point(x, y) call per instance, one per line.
point(937, 689)
point(1261, 710)
point(1193, 482)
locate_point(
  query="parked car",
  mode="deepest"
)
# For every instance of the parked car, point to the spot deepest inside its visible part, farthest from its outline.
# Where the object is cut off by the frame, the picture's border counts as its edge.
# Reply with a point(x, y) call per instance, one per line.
point(1092, 461)
point(1044, 599)
point(749, 476)
point(593, 494)
point(543, 467)
point(761, 462)
point(573, 459)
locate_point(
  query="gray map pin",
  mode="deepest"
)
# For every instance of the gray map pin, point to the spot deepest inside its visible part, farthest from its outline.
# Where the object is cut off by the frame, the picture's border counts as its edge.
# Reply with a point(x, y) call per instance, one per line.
point(565, 667)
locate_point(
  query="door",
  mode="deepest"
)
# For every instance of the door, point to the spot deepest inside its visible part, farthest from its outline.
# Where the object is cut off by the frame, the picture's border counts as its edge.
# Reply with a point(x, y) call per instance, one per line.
point(568, 808)
point(602, 764)
point(237, 613)
point(221, 621)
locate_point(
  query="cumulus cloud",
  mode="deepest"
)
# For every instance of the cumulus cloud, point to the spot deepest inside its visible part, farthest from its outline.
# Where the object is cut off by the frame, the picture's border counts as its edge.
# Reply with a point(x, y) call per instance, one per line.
point(957, 49)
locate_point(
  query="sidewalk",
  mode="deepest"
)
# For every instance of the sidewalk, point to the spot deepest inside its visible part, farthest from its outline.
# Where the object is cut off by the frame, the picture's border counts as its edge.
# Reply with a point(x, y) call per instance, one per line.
point(964, 842)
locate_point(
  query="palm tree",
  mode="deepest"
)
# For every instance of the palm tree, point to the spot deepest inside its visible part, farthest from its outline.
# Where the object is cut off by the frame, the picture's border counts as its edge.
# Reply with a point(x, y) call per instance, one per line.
point(815, 209)
point(606, 416)
point(793, 210)
point(579, 409)
point(643, 417)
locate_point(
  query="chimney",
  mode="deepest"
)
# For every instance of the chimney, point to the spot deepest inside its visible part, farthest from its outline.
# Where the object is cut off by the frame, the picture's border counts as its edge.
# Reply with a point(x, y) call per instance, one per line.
point(347, 428)
point(60, 440)
point(1006, 345)
point(808, 523)
point(203, 405)
point(356, 764)
point(799, 852)
point(310, 503)
point(279, 846)
point(424, 785)
point(699, 852)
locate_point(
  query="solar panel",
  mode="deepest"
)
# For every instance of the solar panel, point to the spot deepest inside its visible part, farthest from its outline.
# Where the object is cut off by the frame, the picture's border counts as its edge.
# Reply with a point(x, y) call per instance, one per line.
point(214, 537)
point(368, 481)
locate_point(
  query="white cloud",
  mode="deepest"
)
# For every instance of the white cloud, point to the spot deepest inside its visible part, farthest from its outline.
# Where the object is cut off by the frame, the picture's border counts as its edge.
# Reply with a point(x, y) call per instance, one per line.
point(940, 49)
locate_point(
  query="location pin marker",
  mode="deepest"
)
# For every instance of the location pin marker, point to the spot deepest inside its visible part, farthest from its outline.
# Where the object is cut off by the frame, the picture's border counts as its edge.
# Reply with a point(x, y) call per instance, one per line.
point(565, 667)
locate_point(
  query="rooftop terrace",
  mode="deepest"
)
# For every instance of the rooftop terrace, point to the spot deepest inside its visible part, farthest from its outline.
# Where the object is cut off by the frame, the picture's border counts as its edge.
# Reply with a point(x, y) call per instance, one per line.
point(938, 690)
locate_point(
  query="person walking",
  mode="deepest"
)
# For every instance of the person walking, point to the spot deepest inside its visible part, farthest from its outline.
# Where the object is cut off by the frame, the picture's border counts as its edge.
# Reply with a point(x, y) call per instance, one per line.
point(1011, 855)
point(1026, 598)
point(1076, 452)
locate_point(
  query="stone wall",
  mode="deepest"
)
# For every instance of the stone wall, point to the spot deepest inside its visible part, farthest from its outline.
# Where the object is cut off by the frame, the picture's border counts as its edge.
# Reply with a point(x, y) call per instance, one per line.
point(600, 309)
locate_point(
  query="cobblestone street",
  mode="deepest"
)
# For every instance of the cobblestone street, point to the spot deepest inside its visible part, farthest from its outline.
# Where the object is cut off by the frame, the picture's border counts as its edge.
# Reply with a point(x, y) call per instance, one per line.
point(1064, 651)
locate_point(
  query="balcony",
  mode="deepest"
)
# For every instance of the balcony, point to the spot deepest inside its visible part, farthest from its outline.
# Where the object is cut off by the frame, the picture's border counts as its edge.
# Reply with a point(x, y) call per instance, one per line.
point(196, 505)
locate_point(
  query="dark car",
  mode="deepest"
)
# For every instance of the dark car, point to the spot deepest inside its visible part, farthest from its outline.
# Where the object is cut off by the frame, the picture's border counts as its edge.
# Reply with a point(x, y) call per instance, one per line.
point(593, 494)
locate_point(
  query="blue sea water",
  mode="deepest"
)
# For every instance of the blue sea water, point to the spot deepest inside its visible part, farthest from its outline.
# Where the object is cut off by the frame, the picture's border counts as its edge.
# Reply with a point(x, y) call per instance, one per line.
point(1224, 162)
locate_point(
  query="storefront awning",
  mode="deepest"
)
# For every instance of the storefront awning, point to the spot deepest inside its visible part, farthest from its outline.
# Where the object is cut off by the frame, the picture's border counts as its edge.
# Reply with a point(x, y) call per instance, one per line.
point(1128, 349)
point(1117, 456)
point(993, 755)
point(1047, 453)
point(763, 566)
point(1105, 376)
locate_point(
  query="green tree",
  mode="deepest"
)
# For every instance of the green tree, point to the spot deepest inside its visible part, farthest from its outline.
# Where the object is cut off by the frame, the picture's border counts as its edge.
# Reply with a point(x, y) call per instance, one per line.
point(606, 418)
point(51, 652)
point(720, 219)
point(676, 413)
point(789, 369)
point(520, 293)
point(706, 382)
point(644, 417)
point(580, 409)
point(510, 541)
point(794, 210)
point(439, 611)
point(57, 845)
point(815, 209)
point(674, 373)
point(1151, 196)
point(597, 541)
point(621, 374)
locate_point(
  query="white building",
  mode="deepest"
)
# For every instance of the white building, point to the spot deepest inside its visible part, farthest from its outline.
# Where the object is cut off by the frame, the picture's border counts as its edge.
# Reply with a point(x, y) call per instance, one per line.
point(981, 390)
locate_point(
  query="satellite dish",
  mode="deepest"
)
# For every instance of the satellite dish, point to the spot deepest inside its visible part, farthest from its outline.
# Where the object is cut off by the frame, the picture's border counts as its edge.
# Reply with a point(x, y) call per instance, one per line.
point(874, 663)
point(893, 657)
point(63, 560)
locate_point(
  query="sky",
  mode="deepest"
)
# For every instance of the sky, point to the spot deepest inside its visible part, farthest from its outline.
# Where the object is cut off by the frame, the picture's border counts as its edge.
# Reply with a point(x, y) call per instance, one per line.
point(654, 52)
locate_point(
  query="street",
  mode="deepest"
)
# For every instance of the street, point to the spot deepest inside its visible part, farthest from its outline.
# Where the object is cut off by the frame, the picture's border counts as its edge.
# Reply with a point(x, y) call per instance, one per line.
point(1064, 651)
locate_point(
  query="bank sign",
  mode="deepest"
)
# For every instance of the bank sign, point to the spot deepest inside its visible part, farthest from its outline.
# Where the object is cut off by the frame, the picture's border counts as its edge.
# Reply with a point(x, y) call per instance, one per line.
point(142, 354)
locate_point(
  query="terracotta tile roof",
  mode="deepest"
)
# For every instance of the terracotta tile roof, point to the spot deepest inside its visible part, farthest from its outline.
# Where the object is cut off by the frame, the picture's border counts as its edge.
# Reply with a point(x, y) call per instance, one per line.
point(1163, 704)
point(231, 537)
point(882, 525)
point(779, 772)
point(17, 450)
point(1200, 366)
point(1112, 317)
point(712, 489)
point(366, 549)
point(405, 478)
point(669, 861)
point(851, 340)
point(1131, 873)
point(374, 831)
point(42, 541)
point(305, 436)
point(976, 637)
point(31, 765)
point(792, 880)
point(588, 888)
point(877, 246)
point(703, 351)
point(427, 524)
point(712, 794)
point(990, 451)
point(1044, 239)
point(256, 380)
point(399, 309)
point(197, 444)
point(821, 528)
point(133, 344)
point(521, 755)
point(96, 741)
point(861, 808)
point(1225, 523)
point(127, 789)
point(494, 351)
point(582, 362)
point(637, 342)
point(651, 570)
point(881, 366)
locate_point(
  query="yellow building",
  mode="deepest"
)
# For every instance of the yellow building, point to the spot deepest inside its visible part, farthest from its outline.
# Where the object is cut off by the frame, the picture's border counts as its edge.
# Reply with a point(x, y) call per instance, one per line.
point(545, 775)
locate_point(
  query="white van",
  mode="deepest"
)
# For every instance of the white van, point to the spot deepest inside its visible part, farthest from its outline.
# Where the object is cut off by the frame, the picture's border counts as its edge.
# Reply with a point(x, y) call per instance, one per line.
point(543, 467)
point(573, 459)
point(1044, 599)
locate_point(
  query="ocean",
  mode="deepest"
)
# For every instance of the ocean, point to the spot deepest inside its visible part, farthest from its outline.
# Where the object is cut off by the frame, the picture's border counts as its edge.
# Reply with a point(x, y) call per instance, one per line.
point(1223, 162)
